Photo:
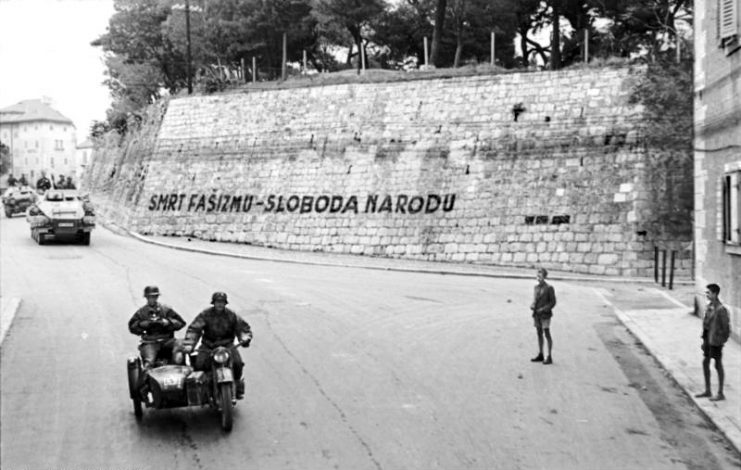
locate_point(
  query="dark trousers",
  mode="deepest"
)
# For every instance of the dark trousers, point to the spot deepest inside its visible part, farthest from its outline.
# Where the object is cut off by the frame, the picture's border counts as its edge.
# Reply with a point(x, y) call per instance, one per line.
point(203, 361)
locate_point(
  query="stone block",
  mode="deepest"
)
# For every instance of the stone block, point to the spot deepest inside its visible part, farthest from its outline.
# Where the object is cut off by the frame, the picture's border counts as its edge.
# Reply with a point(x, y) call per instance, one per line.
point(606, 259)
point(596, 269)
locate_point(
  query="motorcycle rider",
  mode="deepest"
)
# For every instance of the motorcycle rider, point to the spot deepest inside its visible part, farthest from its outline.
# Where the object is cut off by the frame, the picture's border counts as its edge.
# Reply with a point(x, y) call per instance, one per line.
point(219, 326)
point(156, 323)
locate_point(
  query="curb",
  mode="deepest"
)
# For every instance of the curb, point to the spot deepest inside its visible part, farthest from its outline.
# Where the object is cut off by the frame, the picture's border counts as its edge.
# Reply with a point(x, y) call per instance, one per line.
point(449, 272)
point(7, 314)
point(733, 438)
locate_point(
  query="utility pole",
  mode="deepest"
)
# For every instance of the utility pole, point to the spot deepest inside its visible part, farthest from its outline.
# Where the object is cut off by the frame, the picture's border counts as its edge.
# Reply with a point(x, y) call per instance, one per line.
point(187, 35)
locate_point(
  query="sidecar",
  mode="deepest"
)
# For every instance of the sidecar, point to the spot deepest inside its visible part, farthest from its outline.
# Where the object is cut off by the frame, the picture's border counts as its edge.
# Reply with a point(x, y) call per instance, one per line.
point(175, 386)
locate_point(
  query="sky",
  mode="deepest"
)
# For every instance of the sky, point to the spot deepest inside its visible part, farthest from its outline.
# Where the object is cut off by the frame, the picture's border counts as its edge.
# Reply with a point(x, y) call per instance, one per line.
point(45, 51)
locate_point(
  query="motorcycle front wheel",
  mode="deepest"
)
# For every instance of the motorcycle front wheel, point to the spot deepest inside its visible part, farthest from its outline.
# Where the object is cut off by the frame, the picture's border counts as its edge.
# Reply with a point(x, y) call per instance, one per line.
point(225, 402)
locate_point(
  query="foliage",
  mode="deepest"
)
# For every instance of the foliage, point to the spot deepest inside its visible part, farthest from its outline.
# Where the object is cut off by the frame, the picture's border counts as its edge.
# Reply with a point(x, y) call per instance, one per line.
point(146, 42)
point(355, 16)
point(665, 91)
point(5, 161)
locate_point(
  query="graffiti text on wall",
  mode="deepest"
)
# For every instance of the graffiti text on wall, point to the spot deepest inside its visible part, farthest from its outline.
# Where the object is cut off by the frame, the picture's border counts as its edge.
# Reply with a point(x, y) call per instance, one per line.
point(335, 204)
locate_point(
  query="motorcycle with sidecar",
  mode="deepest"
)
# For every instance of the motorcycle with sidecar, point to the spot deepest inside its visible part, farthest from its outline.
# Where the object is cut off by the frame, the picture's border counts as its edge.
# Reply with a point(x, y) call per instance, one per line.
point(175, 385)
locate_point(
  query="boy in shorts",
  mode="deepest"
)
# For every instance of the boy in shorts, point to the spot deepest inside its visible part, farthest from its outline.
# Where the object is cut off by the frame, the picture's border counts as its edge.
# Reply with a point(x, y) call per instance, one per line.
point(715, 332)
point(544, 299)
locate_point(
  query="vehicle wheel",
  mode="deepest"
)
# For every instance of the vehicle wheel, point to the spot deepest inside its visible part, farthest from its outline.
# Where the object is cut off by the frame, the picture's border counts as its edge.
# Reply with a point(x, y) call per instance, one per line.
point(85, 238)
point(40, 238)
point(8, 212)
point(137, 408)
point(133, 374)
point(225, 397)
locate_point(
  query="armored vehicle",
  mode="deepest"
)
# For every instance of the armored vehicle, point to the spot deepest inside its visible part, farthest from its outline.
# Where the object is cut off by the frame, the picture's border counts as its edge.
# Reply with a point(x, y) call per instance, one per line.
point(61, 214)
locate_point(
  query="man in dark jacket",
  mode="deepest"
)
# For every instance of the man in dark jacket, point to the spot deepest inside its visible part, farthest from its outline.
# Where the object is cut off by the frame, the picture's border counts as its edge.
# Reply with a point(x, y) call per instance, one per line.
point(156, 323)
point(43, 183)
point(219, 326)
point(544, 299)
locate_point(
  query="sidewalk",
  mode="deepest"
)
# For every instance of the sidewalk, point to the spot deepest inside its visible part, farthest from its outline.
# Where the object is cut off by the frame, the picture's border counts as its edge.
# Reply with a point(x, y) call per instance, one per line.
point(8, 308)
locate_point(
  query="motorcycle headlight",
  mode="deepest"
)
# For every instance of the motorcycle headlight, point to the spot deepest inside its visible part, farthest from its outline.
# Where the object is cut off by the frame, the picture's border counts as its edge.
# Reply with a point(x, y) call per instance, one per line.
point(221, 356)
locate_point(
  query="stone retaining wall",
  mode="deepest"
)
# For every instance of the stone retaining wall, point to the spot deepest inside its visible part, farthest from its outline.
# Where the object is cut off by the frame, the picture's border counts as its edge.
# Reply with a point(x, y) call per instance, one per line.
point(519, 169)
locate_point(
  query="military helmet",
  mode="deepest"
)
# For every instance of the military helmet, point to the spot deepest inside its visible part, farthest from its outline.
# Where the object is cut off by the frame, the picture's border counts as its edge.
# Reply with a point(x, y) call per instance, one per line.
point(218, 296)
point(151, 290)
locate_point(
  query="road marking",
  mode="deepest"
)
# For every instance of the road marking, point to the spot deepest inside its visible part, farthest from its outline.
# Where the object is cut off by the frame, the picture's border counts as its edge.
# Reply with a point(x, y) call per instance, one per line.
point(671, 299)
point(600, 293)
point(265, 280)
point(603, 291)
point(84, 335)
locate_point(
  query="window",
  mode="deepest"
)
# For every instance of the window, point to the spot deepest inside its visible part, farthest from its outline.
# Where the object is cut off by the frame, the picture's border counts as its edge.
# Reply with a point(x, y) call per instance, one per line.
point(728, 28)
point(732, 207)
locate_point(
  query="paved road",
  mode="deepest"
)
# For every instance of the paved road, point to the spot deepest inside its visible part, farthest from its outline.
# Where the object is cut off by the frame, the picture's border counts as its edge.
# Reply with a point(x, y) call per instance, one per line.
point(349, 369)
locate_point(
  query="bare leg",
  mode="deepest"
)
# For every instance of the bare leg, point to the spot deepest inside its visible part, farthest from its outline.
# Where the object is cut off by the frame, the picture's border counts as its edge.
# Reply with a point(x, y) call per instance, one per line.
point(539, 357)
point(706, 375)
point(547, 332)
point(721, 379)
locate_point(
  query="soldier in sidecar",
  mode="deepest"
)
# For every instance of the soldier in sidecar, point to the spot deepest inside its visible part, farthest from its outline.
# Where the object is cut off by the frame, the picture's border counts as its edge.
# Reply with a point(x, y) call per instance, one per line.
point(156, 323)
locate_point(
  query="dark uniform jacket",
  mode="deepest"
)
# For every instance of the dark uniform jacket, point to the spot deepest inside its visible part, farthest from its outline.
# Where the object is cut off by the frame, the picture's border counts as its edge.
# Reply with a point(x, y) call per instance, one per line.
point(217, 329)
point(155, 331)
point(716, 325)
point(43, 183)
point(544, 299)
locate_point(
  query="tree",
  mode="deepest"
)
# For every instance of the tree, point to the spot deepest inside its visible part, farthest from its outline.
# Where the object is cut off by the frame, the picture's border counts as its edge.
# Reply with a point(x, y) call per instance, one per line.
point(402, 31)
point(525, 12)
point(265, 25)
point(471, 25)
point(437, 32)
point(354, 15)
point(6, 162)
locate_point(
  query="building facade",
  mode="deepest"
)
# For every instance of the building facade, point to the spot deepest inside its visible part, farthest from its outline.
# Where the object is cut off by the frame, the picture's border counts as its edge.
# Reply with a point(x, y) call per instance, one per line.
point(40, 138)
point(718, 152)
